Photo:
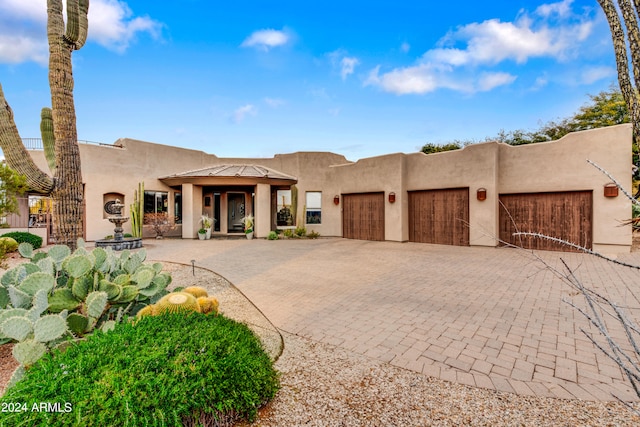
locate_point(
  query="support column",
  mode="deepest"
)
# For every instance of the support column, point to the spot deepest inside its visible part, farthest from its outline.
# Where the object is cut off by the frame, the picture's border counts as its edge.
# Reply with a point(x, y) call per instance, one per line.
point(262, 210)
point(191, 210)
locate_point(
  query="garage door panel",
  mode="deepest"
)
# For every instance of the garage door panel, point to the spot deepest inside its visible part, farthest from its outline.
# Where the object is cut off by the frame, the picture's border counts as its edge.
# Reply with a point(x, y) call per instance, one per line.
point(363, 216)
point(565, 215)
point(439, 216)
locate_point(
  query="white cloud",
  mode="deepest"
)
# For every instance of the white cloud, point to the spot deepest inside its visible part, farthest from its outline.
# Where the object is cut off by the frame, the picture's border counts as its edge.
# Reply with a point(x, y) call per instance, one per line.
point(266, 39)
point(241, 113)
point(23, 28)
point(320, 93)
point(17, 49)
point(425, 78)
point(593, 74)
point(489, 81)
point(540, 82)
point(401, 81)
point(562, 9)
point(111, 24)
point(493, 41)
point(348, 65)
point(32, 10)
point(465, 59)
point(274, 102)
point(344, 64)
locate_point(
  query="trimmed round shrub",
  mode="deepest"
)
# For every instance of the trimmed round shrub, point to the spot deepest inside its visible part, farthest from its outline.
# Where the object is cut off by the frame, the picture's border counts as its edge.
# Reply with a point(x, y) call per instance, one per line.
point(24, 237)
point(8, 244)
point(167, 370)
point(272, 235)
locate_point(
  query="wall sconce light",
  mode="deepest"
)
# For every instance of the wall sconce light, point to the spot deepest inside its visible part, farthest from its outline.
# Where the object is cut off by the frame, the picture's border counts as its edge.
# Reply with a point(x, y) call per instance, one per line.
point(336, 200)
point(481, 194)
point(392, 197)
point(610, 190)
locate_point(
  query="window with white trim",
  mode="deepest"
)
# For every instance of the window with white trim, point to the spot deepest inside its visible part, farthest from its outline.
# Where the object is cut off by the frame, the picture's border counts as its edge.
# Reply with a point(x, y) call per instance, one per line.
point(314, 207)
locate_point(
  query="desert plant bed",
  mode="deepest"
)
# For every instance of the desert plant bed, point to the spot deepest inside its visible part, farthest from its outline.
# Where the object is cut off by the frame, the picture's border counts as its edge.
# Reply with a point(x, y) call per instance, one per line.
point(167, 370)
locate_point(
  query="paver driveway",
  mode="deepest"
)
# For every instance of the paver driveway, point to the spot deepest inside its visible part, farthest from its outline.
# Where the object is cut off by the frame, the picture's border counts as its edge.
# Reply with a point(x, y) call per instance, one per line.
point(486, 317)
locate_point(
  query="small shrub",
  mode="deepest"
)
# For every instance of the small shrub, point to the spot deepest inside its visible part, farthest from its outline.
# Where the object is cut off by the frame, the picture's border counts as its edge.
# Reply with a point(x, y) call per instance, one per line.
point(125, 235)
point(24, 237)
point(313, 235)
point(8, 244)
point(160, 222)
point(165, 370)
point(288, 233)
point(272, 235)
point(300, 231)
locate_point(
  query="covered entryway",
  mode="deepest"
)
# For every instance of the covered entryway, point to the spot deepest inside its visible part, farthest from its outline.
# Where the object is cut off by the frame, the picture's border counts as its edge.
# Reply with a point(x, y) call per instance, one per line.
point(363, 216)
point(566, 215)
point(227, 193)
point(439, 216)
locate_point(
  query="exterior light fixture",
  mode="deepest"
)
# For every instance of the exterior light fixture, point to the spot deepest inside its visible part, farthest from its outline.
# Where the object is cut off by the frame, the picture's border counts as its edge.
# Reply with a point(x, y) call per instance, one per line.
point(336, 200)
point(481, 194)
point(610, 190)
point(392, 197)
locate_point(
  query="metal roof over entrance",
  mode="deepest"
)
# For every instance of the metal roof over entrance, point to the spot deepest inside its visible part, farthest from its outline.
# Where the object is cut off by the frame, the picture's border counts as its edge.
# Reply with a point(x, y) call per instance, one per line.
point(231, 174)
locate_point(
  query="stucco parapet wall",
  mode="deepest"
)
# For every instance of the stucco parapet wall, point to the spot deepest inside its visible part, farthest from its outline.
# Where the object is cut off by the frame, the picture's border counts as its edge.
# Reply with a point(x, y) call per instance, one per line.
point(140, 145)
point(562, 165)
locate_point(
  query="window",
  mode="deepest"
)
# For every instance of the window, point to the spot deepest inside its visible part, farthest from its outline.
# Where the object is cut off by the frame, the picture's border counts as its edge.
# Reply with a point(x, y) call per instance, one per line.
point(156, 201)
point(285, 216)
point(314, 207)
point(177, 207)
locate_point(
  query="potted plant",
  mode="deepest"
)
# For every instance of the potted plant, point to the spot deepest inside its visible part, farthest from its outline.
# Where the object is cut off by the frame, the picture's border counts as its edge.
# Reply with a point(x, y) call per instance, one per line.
point(206, 224)
point(202, 234)
point(248, 226)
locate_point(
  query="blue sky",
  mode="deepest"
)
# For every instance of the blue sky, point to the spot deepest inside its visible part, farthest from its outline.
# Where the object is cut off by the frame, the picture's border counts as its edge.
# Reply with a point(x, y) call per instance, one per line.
point(255, 78)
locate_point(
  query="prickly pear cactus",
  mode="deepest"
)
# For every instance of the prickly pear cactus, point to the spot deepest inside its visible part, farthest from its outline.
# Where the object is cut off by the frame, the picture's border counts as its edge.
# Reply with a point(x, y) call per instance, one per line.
point(78, 323)
point(17, 328)
point(28, 352)
point(60, 294)
point(49, 328)
point(96, 303)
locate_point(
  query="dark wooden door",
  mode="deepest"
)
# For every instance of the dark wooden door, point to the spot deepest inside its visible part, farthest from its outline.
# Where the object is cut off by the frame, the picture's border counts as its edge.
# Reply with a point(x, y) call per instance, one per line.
point(439, 216)
point(566, 215)
point(363, 216)
point(235, 212)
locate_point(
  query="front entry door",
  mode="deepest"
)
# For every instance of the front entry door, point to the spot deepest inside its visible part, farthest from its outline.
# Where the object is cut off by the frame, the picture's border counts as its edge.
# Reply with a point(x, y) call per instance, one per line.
point(236, 212)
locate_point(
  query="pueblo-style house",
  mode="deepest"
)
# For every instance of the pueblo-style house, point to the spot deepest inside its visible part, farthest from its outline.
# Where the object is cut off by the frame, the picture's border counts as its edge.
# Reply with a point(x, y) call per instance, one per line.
point(476, 196)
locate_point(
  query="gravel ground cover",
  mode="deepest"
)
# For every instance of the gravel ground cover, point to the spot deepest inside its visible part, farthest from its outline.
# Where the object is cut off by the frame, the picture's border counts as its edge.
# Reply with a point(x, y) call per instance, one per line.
point(325, 385)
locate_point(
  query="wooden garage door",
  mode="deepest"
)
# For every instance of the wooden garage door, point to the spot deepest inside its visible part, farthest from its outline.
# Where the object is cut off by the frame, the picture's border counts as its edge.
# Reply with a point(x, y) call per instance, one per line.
point(363, 216)
point(439, 216)
point(566, 215)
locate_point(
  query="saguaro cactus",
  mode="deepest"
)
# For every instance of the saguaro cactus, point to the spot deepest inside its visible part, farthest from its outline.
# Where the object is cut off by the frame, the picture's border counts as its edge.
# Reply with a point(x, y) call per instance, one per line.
point(61, 149)
point(137, 211)
point(294, 204)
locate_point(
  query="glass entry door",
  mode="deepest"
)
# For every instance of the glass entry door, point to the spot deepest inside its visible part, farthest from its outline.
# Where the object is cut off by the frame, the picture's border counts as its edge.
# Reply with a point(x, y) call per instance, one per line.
point(236, 206)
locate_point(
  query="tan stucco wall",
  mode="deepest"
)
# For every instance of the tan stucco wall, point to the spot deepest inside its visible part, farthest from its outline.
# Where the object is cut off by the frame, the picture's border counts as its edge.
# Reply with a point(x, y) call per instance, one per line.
point(555, 166)
point(562, 166)
point(475, 166)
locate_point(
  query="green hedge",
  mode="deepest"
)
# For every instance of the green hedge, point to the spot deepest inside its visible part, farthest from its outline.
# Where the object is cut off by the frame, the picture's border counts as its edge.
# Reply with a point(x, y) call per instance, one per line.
point(167, 370)
point(23, 236)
